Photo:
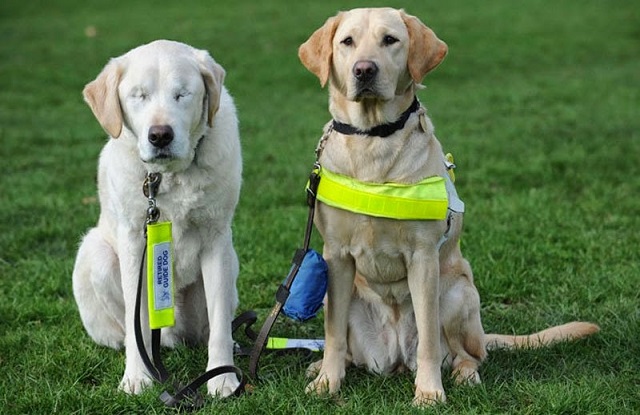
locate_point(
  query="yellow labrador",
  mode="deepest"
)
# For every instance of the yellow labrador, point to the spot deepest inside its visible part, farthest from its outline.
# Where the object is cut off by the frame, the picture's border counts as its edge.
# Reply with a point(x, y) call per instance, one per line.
point(396, 298)
point(166, 109)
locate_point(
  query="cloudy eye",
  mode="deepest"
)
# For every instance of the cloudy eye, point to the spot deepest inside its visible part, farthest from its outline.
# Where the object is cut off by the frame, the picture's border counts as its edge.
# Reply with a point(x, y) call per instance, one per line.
point(139, 94)
point(347, 41)
point(181, 94)
point(389, 40)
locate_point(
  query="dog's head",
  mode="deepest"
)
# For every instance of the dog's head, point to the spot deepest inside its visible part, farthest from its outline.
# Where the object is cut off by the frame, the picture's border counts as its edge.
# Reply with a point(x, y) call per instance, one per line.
point(164, 94)
point(372, 53)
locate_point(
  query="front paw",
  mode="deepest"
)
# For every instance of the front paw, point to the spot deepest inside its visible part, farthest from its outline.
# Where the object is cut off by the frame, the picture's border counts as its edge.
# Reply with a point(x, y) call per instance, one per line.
point(313, 369)
point(134, 384)
point(323, 384)
point(424, 398)
point(223, 385)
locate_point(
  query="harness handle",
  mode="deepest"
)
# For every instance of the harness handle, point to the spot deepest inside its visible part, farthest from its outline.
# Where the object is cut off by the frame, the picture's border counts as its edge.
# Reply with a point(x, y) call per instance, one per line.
point(284, 289)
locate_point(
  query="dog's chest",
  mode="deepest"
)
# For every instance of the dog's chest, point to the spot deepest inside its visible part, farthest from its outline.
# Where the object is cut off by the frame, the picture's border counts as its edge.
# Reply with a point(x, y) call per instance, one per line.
point(382, 249)
point(194, 222)
point(187, 202)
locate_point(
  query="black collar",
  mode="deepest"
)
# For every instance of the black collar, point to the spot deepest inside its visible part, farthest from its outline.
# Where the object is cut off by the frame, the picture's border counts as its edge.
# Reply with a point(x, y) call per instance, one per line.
point(196, 149)
point(383, 130)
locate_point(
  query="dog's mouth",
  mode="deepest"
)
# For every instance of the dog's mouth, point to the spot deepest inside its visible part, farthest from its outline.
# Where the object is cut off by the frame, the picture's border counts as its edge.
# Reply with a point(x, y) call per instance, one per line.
point(162, 158)
point(366, 93)
point(366, 90)
point(170, 157)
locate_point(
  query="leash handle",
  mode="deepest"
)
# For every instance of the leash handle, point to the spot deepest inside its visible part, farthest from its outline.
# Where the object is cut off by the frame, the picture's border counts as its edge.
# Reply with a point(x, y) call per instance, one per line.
point(188, 398)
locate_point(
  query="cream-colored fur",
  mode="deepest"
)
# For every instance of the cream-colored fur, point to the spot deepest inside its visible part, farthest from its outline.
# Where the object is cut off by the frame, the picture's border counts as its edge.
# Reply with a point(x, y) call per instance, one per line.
point(394, 301)
point(164, 83)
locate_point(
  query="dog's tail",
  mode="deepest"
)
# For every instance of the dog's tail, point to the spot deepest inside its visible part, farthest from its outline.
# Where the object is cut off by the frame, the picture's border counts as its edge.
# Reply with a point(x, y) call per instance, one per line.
point(565, 332)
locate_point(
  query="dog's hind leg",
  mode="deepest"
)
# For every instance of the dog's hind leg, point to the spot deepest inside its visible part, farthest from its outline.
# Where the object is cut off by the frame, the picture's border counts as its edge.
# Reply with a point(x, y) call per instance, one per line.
point(462, 328)
point(98, 292)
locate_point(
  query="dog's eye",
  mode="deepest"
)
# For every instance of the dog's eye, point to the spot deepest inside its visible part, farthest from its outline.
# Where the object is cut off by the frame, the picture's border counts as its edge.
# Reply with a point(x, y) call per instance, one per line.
point(347, 41)
point(140, 96)
point(389, 40)
point(179, 95)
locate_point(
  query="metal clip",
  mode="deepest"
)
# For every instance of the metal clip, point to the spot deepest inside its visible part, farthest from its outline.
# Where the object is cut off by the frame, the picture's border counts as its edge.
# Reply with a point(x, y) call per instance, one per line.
point(153, 213)
point(314, 181)
point(323, 142)
point(150, 190)
point(151, 184)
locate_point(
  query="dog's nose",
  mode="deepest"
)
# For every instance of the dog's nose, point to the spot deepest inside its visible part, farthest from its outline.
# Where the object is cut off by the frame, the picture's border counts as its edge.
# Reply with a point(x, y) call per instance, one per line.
point(160, 135)
point(365, 71)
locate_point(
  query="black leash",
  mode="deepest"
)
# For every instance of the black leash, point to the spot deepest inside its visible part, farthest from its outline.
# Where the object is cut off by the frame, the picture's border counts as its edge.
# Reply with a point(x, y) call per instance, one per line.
point(284, 289)
point(186, 397)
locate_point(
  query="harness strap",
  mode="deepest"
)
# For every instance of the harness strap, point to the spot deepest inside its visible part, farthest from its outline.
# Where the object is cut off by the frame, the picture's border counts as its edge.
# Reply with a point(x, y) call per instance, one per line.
point(425, 200)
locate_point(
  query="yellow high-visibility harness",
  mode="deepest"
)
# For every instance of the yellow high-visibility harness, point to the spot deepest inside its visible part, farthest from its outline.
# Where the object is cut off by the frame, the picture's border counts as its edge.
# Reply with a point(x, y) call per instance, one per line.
point(428, 199)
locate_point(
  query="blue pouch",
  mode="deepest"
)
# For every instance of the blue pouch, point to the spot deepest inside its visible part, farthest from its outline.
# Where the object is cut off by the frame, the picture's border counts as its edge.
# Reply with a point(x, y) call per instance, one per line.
point(308, 288)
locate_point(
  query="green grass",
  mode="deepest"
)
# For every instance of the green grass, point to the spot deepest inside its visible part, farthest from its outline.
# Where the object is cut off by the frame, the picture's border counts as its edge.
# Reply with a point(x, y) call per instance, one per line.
point(538, 100)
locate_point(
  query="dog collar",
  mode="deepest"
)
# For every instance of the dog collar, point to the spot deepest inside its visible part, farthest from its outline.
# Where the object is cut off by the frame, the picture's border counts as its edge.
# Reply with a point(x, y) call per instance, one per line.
point(383, 130)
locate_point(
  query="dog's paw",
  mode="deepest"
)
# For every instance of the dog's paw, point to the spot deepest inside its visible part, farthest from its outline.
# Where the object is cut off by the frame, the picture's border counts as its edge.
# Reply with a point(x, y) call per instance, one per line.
point(424, 398)
point(134, 384)
point(323, 384)
point(466, 375)
point(313, 369)
point(223, 385)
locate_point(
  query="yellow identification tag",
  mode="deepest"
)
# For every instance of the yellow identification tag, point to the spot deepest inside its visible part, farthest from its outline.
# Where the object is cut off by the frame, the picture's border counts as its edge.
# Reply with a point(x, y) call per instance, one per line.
point(160, 275)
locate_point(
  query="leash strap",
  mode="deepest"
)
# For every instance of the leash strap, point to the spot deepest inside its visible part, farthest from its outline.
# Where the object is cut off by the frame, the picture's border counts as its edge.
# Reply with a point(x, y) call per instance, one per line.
point(186, 397)
point(284, 289)
point(156, 368)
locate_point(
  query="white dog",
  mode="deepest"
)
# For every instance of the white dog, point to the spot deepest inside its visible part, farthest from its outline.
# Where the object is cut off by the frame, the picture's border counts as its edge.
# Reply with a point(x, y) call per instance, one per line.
point(166, 110)
point(397, 297)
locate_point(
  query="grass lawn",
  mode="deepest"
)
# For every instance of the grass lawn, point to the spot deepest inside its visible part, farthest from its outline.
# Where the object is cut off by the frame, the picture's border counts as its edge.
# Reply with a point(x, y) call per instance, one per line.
point(538, 100)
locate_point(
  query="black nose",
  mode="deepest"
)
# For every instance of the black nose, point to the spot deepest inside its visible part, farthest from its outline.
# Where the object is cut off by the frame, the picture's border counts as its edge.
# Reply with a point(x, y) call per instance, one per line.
point(365, 71)
point(160, 135)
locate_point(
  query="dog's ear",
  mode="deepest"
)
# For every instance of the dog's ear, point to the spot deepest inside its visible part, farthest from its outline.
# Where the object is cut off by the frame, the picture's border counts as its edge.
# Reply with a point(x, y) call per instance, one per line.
point(426, 51)
point(213, 76)
point(317, 52)
point(102, 96)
